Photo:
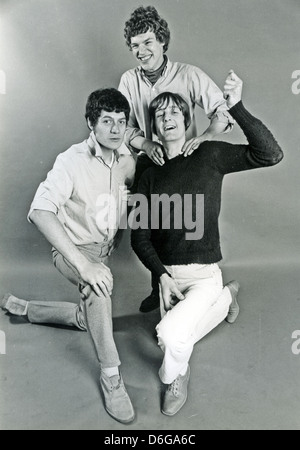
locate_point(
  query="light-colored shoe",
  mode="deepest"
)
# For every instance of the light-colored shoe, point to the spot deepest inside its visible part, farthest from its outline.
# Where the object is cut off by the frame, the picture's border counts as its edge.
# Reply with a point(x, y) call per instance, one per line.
point(116, 398)
point(176, 394)
point(234, 308)
point(14, 305)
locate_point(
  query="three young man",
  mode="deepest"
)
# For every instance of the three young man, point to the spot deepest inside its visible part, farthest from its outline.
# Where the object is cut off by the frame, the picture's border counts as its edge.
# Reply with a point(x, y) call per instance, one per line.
point(69, 211)
point(147, 35)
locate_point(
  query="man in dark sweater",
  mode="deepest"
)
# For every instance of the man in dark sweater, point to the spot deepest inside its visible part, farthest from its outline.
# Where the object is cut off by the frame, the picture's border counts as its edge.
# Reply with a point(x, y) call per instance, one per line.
point(193, 299)
point(147, 36)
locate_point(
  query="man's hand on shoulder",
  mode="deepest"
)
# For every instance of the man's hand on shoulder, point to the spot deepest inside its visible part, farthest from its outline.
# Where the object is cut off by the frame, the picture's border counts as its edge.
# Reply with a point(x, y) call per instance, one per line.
point(194, 143)
point(154, 152)
point(233, 89)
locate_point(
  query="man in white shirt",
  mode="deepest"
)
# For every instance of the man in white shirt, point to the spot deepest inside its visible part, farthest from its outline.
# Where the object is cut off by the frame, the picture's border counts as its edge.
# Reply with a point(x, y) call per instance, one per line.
point(78, 209)
point(147, 35)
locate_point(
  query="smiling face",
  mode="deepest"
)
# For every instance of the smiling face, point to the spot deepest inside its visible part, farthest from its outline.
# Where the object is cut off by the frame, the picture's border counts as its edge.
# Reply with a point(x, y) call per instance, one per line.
point(169, 122)
point(110, 129)
point(148, 50)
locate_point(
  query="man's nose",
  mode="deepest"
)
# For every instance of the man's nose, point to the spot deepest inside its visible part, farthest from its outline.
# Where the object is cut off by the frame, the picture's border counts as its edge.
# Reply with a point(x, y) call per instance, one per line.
point(141, 49)
point(115, 128)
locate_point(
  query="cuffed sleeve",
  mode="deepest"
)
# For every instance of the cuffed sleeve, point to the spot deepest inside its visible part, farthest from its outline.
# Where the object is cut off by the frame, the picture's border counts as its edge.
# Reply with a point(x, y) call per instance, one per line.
point(54, 191)
point(132, 130)
point(207, 95)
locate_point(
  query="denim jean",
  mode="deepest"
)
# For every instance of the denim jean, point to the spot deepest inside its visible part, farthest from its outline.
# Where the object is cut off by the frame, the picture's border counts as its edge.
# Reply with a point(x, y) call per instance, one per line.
point(206, 305)
point(92, 313)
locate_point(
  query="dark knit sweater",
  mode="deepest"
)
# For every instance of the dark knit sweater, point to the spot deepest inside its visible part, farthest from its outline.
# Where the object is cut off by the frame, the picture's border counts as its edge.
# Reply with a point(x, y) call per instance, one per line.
point(200, 173)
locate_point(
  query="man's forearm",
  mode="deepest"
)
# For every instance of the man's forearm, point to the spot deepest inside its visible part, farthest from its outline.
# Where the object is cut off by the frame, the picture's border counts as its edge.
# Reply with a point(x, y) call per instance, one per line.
point(139, 142)
point(49, 225)
point(216, 127)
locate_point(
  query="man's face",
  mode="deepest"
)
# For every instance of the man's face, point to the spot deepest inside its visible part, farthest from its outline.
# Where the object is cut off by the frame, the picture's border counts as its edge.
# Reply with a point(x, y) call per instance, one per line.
point(148, 50)
point(110, 129)
point(169, 122)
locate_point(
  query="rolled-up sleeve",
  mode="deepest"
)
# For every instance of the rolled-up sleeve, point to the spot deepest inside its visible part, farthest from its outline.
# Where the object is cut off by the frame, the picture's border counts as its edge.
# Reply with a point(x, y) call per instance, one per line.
point(207, 95)
point(132, 130)
point(55, 190)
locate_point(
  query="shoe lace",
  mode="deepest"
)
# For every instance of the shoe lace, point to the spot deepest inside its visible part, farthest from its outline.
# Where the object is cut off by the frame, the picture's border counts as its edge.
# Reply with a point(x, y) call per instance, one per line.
point(174, 387)
point(113, 386)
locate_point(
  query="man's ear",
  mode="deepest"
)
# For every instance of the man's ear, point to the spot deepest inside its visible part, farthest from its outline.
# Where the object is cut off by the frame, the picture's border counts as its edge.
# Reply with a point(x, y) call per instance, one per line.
point(89, 124)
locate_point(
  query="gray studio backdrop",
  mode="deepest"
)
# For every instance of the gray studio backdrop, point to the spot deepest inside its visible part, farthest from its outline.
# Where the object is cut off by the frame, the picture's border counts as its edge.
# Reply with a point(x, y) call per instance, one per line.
point(55, 52)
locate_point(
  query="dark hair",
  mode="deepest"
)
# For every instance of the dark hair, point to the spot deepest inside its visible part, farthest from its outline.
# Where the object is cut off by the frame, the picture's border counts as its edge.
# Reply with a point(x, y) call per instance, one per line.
point(109, 99)
point(164, 99)
point(145, 19)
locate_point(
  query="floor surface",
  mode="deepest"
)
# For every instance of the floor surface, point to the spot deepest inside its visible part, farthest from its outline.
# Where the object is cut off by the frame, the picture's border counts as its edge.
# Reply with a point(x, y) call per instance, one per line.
point(243, 376)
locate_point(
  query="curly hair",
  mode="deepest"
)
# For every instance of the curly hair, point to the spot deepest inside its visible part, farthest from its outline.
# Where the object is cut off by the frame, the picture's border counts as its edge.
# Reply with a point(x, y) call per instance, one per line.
point(144, 19)
point(108, 99)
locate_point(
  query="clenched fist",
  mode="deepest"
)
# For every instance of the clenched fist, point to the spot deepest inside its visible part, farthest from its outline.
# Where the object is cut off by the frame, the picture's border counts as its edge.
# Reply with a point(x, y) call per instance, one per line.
point(233, 89)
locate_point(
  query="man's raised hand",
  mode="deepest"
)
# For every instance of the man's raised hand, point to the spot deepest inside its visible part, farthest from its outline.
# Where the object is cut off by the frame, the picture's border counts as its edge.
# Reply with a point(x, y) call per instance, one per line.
point(233, 89)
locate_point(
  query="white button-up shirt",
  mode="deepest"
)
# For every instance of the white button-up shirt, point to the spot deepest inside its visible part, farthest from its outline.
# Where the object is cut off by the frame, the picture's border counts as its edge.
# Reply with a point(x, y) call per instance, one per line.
point(87, 195)
point(188, 81)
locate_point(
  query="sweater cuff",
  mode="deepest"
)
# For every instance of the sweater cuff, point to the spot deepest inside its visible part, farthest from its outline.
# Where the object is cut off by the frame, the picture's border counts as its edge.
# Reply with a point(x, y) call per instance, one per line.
point(156, 267)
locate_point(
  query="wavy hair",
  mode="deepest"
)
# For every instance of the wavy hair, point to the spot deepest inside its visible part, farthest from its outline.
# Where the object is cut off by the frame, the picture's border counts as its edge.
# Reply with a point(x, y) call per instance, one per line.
point(144, 19)
point(108, 99)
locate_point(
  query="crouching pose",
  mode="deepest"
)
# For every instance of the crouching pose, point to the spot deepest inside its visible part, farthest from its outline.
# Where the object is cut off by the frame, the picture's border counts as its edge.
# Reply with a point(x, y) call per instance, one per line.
point(76, 210)
point(193, 299)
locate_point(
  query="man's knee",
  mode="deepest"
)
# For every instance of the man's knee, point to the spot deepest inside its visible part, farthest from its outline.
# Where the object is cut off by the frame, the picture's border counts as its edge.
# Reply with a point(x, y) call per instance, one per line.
point(89, 297)
point(171, 339)
point(80, 319)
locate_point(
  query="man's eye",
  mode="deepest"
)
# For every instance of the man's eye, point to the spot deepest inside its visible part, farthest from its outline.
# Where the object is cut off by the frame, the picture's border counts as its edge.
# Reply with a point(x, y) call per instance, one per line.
point(122, 122)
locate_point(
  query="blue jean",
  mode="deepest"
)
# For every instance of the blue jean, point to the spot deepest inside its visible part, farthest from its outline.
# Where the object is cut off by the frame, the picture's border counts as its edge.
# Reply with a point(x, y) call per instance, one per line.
point(92, 313)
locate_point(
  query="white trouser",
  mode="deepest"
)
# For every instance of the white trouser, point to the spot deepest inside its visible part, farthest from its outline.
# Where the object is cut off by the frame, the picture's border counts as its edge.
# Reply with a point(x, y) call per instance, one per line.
point(206, 305)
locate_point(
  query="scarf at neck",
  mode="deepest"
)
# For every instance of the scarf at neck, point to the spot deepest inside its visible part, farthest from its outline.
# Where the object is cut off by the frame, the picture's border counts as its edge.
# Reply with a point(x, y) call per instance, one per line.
point(156, 74)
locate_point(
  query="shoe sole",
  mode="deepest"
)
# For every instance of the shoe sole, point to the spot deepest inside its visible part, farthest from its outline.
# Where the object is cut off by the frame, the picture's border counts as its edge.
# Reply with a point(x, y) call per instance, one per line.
point(231, 321)
point(237, 305)
point(125, 422)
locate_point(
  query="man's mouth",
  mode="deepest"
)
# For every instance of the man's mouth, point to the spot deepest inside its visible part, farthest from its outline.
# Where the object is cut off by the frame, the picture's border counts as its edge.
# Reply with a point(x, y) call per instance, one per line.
point(145, 58)
point(169, 127)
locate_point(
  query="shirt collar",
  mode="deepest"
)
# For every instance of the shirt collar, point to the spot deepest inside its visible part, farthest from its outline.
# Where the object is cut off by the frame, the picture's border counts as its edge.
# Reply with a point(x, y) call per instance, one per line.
point(95, 148)
point(165, 71)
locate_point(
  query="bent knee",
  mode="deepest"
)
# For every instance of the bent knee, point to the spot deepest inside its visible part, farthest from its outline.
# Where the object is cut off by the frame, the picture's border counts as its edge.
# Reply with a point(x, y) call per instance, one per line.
point(173, 339)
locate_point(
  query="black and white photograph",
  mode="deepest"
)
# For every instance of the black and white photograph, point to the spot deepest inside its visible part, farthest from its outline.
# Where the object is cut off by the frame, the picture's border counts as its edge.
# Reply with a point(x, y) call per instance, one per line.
point(150, 217)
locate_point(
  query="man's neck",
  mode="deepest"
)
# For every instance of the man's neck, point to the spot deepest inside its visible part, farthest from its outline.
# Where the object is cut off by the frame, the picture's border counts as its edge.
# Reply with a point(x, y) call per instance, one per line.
point(107, 155)
point(155, 74)
point(173, 148)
